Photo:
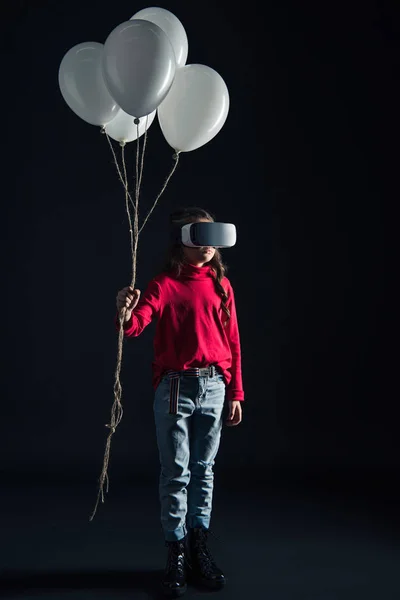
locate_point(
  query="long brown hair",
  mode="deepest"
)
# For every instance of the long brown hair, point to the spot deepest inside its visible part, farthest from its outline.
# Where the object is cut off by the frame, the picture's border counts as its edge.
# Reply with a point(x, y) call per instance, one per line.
point(175, 256)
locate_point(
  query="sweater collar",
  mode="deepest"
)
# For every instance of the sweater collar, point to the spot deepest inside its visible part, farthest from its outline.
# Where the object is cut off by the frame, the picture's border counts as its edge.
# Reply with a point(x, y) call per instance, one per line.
point(190, 271)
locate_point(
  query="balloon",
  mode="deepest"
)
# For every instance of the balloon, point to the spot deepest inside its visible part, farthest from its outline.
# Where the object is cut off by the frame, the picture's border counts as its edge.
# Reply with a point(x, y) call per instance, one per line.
point(81, 82)
point(123, 129)
point(171, 26)
point(138, 66)
point(195, 109)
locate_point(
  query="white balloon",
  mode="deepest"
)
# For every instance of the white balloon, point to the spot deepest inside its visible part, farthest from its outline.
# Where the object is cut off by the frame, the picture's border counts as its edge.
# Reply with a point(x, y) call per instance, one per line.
point(138, 66)
point(123, 129)
point(172, 26)
point(195, 108)
point(81, 82)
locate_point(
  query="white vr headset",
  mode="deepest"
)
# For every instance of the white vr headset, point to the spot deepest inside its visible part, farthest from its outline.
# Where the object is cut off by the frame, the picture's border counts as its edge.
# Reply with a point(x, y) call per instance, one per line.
point(199, 234)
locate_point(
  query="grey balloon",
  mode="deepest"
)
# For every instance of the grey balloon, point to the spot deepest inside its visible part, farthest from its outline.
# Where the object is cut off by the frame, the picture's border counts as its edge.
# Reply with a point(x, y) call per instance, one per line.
point(138, 66)
point(82, 84)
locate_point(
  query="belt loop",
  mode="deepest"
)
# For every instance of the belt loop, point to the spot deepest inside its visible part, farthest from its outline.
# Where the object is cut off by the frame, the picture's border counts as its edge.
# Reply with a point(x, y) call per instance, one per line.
point(173, 393)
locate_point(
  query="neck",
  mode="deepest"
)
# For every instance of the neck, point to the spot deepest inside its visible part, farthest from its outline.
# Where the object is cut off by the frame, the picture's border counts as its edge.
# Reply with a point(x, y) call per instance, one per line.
point(198, 264)
point(196, 270)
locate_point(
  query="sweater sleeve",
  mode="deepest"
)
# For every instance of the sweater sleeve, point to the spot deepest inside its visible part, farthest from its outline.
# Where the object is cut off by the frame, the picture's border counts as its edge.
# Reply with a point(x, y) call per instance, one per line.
point(147, 308)
point(235, 387)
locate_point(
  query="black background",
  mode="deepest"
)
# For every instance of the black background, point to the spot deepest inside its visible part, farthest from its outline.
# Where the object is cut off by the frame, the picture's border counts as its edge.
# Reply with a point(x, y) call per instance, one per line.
point(305, 168)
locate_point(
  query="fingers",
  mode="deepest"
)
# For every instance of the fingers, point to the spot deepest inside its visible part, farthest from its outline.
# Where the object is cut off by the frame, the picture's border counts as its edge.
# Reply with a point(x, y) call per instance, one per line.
point(135, 298)
point(127, 298)
point(235, 416)
point(234, 422)
point(124, 299)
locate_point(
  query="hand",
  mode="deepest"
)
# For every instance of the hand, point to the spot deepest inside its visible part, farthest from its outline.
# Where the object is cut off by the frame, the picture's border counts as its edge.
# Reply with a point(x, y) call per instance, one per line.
point(235, 413)
point(127, 298)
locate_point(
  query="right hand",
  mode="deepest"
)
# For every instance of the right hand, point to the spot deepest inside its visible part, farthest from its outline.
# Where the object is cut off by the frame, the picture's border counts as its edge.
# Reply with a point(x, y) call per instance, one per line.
point(127, 298)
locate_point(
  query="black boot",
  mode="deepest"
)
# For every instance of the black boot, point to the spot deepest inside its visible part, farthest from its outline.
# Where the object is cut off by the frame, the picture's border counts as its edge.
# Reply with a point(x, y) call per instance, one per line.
point(203, 569)
point(174, 580)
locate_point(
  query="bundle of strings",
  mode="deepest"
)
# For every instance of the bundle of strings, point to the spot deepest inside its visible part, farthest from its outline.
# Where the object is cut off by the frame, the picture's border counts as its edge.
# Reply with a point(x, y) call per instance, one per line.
point(134, 232)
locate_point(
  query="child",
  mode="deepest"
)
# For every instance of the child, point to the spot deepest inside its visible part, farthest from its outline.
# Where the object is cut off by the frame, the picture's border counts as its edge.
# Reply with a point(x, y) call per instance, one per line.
point(197, 361)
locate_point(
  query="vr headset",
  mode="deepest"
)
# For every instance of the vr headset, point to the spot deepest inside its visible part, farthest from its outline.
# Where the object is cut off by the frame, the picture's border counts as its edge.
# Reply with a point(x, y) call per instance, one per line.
point(197, 235)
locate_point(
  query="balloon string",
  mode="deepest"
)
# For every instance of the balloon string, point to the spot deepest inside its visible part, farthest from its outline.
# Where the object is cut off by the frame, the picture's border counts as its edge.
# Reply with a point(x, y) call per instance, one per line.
point(123, 181)
point(137, 188)
point(144, 148)
point(117, 409)
point(176, 161)
point(131, 233)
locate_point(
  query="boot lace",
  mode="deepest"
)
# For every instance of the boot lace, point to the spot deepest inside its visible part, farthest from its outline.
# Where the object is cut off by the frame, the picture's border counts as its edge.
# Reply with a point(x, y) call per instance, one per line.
point(176, 556)
point(205, 558)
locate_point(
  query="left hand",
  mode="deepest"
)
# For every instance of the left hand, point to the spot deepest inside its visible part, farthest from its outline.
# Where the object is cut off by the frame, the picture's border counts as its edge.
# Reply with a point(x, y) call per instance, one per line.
point(235, 413)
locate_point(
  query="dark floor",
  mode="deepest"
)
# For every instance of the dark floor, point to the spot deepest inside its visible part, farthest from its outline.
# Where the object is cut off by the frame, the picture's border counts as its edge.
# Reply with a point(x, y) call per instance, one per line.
point(278, 542)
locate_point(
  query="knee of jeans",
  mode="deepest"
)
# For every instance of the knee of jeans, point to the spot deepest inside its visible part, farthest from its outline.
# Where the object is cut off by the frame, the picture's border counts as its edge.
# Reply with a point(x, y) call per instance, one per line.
point(200, 466)
point(178, 475)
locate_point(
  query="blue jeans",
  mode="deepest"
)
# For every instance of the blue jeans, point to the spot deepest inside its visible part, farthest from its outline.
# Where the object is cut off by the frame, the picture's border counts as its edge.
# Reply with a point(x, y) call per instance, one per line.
point(188, 443)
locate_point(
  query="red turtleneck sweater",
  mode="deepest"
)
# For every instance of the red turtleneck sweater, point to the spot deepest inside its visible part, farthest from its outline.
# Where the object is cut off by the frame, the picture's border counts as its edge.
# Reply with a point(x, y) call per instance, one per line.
point(190, 331)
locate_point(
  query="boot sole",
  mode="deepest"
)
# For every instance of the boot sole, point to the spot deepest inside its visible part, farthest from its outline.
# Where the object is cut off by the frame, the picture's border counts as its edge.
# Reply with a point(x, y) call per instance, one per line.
point(206, 583)
point(174, 593)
